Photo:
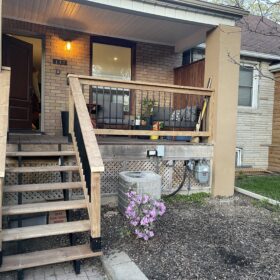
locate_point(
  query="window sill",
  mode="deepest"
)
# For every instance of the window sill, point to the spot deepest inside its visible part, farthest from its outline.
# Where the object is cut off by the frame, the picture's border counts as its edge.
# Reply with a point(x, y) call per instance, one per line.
point(248, 110)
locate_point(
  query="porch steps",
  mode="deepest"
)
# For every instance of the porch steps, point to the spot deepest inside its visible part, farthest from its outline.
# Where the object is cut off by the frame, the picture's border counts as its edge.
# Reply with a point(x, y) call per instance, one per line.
point(43, 207)
point(41, 154)
point(33, 169)
point(42, 187)
point(40, 258)
point(45, 230)
point(58, 156)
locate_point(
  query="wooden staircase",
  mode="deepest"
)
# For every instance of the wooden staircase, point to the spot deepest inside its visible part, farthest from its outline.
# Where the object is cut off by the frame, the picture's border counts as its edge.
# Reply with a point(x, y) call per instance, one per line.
point(89, 166)
point(74, 252)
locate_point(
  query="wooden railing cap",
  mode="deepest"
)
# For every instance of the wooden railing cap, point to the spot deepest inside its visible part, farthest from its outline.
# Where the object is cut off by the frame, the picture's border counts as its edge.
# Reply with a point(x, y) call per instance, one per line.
point(90, 79)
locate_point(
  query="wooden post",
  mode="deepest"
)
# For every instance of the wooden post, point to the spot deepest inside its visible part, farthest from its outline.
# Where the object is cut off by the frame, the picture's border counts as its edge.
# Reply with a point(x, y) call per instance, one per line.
point(0, 35)
point(222, 65)
point(1, 200)
point(71, 113)
point(5, 76)
point(95, 202)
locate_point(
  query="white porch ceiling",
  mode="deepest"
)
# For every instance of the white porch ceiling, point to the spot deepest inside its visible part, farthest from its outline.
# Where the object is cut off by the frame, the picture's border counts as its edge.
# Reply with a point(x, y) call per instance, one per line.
point(108, 22)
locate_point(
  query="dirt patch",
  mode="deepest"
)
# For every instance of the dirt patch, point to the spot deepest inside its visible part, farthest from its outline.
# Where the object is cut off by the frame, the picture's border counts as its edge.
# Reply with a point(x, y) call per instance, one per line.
point(222, 239)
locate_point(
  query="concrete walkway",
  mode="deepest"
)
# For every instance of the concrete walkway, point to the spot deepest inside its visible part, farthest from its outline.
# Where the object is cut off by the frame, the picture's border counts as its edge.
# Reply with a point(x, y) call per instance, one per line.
point(91, 269)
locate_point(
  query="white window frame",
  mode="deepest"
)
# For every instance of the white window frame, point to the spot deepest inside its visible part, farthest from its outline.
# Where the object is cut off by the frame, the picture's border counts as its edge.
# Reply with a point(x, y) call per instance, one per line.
point(255, 86)
point(238, 155)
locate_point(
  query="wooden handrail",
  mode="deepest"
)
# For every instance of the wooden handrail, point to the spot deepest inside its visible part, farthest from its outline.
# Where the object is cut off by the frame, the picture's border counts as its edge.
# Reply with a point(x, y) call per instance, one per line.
point(89, 138)
point(88, 80)
point(87, 150)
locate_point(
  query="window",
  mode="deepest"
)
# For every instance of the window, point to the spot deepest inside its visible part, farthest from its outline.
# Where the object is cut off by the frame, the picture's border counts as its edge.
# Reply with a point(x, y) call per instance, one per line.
point(248, 87)
point(238, 157)
point(111, 62)
point(112, 59)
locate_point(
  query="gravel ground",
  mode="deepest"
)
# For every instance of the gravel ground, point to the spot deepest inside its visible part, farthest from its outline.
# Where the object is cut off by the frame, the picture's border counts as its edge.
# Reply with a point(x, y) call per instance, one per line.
point(221, 239)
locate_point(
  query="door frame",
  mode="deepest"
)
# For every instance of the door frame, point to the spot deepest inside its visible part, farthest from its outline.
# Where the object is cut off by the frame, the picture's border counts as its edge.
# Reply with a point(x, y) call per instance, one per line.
point(43, 73)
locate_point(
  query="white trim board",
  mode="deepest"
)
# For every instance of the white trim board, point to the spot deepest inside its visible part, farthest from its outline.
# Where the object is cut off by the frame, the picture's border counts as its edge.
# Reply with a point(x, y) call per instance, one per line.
point(257, 196)
point(162, 11)
point(274, 68)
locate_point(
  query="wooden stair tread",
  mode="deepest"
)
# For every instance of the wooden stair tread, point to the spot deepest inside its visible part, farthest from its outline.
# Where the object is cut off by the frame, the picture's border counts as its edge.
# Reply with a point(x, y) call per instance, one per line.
point(39, 258)
point(40, 154)
point(43, 207)
point(45, 230)
point(42, 187)
point(30, 169)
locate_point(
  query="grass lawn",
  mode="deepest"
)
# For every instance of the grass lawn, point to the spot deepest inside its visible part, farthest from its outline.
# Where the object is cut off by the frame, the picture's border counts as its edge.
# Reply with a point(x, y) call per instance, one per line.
point(268, 186)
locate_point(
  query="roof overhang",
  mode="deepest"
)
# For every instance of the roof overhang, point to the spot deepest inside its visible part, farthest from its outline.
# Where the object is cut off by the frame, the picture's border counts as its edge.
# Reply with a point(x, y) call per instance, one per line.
point(274, 68)
point(264, 56)
point(178, 23)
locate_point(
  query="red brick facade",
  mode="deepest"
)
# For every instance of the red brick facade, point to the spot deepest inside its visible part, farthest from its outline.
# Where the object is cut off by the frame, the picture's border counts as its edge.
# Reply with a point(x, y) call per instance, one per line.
point(154, 63)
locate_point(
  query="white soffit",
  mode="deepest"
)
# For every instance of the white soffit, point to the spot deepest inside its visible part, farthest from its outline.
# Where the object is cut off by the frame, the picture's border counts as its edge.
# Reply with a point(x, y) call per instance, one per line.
point(156, 24)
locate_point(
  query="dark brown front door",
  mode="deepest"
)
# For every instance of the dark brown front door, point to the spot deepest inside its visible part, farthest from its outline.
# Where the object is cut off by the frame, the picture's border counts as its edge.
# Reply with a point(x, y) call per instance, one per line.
point(19, 56)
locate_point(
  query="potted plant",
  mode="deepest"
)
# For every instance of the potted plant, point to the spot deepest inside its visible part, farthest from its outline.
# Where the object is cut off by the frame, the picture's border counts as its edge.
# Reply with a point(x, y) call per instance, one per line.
point(148, 110)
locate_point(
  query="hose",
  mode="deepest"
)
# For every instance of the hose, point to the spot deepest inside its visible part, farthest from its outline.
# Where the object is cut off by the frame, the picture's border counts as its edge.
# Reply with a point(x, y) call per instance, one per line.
point(181, 184)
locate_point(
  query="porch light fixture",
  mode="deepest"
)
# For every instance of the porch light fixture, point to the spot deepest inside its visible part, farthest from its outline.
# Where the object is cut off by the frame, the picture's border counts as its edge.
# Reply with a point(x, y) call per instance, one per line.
point(68, 45)
point(115, 58)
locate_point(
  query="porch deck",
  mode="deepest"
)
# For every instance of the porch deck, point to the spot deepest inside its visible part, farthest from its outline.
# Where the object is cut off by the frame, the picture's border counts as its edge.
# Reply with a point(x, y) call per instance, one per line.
point(107, 140)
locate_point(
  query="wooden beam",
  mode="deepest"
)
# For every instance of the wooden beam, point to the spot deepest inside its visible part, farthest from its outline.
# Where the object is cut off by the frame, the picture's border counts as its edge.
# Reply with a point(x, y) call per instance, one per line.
point(150, 133)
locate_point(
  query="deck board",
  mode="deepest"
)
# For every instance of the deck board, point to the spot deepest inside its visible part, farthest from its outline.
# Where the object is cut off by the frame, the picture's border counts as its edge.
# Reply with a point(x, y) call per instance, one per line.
point(27, 260)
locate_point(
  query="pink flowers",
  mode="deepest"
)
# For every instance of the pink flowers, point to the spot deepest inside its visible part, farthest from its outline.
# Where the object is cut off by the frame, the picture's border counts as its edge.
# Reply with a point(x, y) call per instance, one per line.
point(142, 212)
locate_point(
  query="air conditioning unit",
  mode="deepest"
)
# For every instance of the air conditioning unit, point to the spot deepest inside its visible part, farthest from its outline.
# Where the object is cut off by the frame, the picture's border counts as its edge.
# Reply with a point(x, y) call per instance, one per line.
point(142, 182)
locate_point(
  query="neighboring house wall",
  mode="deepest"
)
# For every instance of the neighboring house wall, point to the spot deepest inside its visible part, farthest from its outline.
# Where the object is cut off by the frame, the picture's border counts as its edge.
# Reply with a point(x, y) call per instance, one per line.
point(254, 125)
point(274, 151)
point(154, 63)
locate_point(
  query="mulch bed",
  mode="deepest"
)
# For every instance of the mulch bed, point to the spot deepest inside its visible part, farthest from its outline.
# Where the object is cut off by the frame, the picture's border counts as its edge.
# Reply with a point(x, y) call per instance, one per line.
point(220, 239)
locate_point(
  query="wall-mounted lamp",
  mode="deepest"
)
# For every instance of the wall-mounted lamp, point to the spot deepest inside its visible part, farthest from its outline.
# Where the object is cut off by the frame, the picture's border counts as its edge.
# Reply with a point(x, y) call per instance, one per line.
point(68, 45)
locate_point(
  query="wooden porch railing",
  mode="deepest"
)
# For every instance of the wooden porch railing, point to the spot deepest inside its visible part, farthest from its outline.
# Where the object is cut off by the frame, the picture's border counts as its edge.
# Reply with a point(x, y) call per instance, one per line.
point(119, 105)
point(5, 76)
point(87, 151)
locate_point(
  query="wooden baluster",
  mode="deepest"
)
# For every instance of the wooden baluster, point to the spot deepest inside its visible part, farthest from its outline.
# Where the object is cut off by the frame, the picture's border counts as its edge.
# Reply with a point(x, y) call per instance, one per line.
point(71, 112)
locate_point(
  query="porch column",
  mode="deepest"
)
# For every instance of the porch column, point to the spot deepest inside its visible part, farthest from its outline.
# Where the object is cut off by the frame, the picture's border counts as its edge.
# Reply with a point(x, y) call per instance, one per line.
point(221, 64)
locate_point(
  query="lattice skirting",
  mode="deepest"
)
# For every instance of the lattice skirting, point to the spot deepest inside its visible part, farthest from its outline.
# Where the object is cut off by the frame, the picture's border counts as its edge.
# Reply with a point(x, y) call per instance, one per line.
point(171, 174)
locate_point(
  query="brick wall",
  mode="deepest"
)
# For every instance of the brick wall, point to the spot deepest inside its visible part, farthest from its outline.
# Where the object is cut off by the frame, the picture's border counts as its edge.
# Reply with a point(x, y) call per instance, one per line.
point(274, 150)
point(254, 126)
point(55, 86)
point(154, 63)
